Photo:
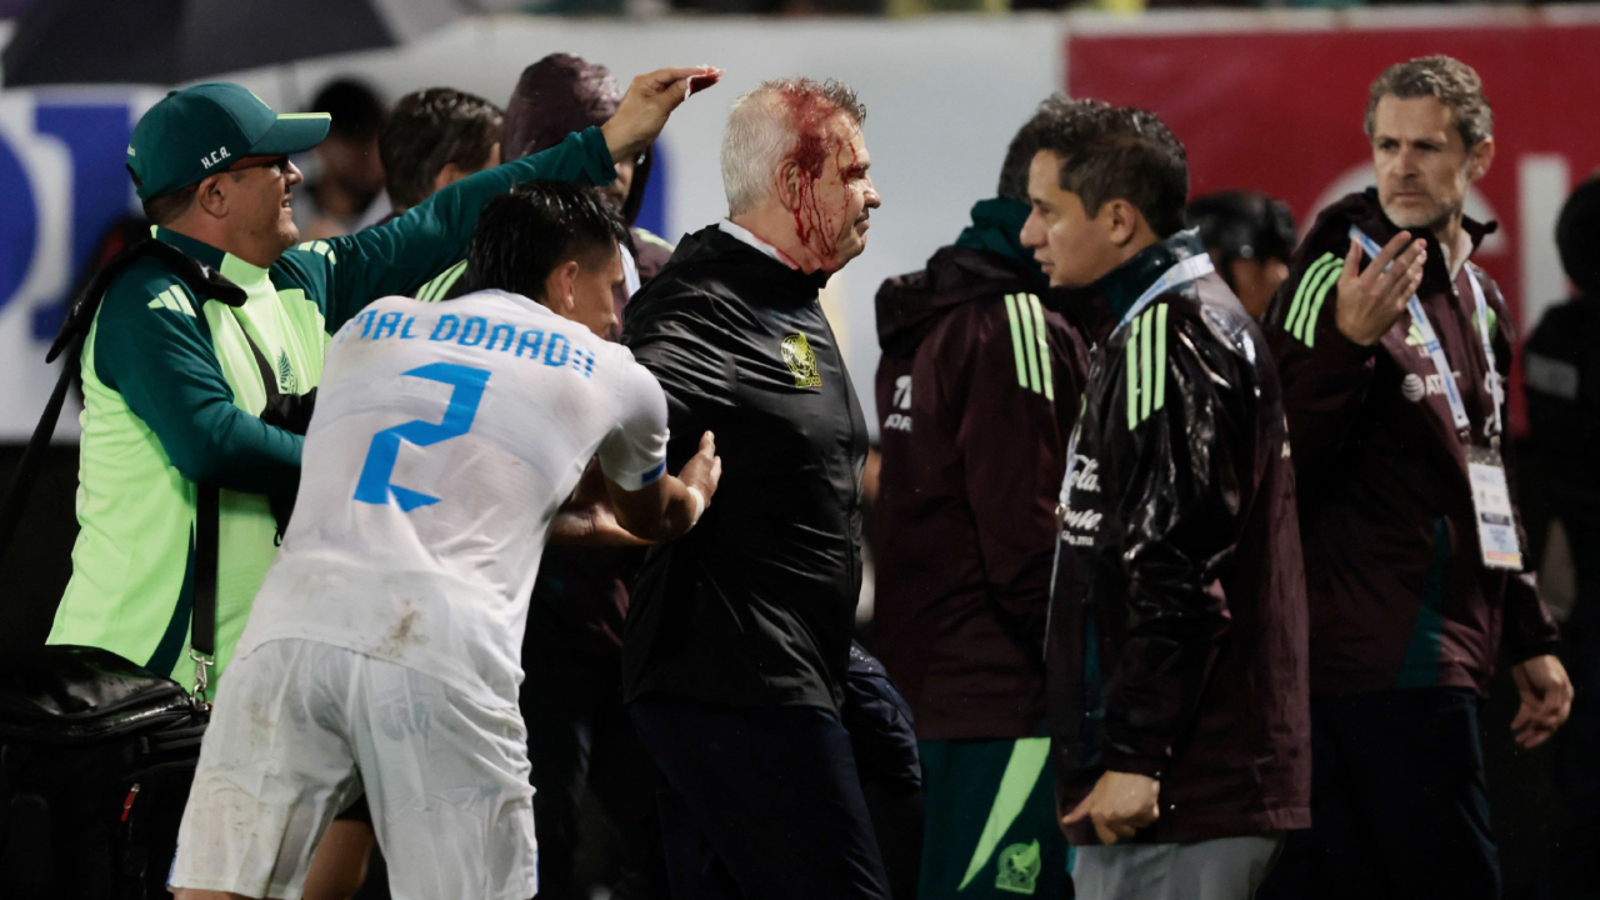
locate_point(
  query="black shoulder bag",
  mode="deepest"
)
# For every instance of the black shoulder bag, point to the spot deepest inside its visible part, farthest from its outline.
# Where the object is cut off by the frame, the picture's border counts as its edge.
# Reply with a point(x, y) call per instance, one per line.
point(96, 752)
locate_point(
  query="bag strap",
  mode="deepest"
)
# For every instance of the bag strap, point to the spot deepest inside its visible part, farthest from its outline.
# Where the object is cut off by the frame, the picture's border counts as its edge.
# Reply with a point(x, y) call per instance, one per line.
point(206, 283)
point(207, 550)
point(22, 482)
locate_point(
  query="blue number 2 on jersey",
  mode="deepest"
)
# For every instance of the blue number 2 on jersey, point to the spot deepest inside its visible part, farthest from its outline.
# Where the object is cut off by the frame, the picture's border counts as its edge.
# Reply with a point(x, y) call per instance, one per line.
point(374, 486)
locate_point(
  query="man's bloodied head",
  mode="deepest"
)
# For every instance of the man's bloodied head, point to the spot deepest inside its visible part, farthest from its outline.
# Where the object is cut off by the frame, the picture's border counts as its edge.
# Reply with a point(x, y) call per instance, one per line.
point(796, 145)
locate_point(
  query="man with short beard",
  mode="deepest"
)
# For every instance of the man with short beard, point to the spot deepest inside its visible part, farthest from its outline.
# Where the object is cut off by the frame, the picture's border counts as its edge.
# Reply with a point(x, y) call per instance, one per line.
point(1394, 351)
point(738, 641)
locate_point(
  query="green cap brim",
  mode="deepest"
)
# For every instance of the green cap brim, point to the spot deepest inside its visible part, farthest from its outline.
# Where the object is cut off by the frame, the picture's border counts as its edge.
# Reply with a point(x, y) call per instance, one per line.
point(293, 133)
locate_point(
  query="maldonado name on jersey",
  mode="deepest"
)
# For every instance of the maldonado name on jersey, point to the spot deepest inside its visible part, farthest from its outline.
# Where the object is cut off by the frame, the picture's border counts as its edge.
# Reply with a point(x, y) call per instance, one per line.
point(552, 348)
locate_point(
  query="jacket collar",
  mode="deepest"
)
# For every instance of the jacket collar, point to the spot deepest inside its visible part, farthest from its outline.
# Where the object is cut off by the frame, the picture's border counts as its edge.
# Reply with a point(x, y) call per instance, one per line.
point(1100, 306)
point(231, 267)
point(715, 242)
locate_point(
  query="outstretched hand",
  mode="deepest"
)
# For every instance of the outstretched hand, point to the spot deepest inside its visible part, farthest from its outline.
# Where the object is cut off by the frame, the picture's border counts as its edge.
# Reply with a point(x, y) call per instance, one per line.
point(703, 471)
point(1371, 299)
point(651, 98)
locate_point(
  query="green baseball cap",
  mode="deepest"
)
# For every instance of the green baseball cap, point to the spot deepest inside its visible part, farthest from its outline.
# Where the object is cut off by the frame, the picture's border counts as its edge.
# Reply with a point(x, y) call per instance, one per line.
point(202, 130)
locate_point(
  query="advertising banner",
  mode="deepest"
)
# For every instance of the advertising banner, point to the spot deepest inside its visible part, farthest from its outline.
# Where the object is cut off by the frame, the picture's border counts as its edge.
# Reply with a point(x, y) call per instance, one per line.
point(1278, 106)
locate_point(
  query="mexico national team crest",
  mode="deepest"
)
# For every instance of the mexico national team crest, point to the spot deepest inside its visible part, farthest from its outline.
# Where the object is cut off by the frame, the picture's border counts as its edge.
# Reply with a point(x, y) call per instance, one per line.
point(1020, 865)
point(802, 362)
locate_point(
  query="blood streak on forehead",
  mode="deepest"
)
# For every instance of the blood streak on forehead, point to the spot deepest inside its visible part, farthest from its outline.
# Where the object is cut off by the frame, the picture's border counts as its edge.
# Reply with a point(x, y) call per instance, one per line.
point(812, 115)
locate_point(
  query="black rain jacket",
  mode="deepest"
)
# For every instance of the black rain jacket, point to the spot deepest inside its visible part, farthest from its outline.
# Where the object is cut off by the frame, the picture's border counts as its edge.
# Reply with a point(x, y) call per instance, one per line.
point(1178, 618)
point(755, 606)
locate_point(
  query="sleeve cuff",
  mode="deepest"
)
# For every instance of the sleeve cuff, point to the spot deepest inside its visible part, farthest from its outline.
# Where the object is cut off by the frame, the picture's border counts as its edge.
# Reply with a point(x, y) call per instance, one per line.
point(1521, 653)
point(1117, 760)
point(1340, 349)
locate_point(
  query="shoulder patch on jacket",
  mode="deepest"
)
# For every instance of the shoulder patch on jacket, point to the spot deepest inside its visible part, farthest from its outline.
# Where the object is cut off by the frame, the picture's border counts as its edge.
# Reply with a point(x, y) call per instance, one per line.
point(1146, 352)
point(1030, 345)
point(321, 248)
point(175, 299)
point(1319, 280)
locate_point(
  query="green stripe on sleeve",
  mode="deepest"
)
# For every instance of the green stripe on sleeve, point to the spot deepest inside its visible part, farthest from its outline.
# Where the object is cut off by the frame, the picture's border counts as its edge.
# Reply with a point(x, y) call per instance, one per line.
point(1016, 341)
point(1144, 364)
point(1316, 308)
point(1133, 374)
point(1161, 355)
point(1312, 273)
point(1044, 349)
point(1325, 278)
point(1029, 345)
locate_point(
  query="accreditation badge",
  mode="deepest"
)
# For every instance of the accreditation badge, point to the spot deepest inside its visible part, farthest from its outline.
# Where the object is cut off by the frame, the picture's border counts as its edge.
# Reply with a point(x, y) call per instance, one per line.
point(1491, 503)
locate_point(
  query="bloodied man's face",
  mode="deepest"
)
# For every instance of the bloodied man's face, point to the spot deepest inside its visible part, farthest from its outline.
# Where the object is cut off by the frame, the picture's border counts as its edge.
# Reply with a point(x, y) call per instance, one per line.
point(829, 191)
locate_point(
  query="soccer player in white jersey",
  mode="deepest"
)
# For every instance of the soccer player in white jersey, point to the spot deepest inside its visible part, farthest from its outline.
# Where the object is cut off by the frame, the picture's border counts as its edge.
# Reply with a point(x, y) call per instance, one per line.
point(383, 650)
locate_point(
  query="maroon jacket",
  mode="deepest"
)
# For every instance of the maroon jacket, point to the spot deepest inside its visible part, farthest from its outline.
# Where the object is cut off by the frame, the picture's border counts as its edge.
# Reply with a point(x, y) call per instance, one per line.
point(1178, 619)
point(1399, 596)
point(975, 405)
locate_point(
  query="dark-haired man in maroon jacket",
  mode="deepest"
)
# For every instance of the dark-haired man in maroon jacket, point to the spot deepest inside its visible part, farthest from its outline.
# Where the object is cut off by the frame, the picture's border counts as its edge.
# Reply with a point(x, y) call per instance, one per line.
point(977, 392)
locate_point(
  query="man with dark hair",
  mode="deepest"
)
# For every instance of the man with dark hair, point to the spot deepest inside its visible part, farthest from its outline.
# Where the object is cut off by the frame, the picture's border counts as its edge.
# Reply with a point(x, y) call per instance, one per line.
point(1415, 556)
point(1561, 379)
point(738, 639)
point(383, 651)
point(1249, 237)
point(978, 388)
point(346, 183)
point(579, 735)
point(435, 138)
point(1177, 640)
point(560, 93)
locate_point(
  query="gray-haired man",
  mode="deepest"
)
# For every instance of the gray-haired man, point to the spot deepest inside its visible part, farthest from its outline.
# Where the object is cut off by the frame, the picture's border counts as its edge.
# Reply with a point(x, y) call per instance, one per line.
point(738, 641)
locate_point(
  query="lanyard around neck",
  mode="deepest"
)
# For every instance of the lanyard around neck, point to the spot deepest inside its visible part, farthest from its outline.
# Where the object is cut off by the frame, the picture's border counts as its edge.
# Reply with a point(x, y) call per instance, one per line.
point(1435, 350)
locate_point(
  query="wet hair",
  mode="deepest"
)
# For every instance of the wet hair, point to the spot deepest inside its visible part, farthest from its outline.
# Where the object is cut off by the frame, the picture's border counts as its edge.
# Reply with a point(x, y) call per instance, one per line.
point(1120, 153)
point(1058, 120)
point(1450, 81)
point(523, 236)
point(766, 125)
point(1242, 225)
point(1578, 233)
point(355, 108)
point(429, 130)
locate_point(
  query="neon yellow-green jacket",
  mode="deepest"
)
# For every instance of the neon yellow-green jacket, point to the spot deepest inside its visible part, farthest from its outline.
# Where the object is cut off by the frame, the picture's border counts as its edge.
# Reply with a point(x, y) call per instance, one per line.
point(172, 392)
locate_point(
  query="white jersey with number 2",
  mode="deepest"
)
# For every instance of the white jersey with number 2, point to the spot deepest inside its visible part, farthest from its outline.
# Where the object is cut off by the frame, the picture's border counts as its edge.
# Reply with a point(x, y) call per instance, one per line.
point(445, 437)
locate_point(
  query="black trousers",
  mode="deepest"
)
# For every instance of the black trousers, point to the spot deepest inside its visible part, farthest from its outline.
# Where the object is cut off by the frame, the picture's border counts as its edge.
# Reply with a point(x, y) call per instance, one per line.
point(580, 738)
point(768, 804)
point(1399, 808)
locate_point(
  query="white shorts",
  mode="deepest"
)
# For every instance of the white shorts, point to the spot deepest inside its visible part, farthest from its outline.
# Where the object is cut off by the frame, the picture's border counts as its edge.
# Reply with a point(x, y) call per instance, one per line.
point(300, 728)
